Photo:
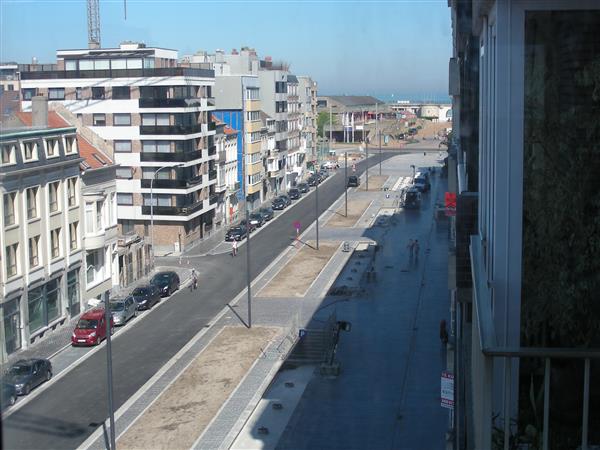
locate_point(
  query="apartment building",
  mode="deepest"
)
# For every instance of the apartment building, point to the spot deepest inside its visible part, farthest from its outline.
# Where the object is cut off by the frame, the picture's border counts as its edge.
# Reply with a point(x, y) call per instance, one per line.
point(9, 90)
point(524, 165)
point(274, 164)
point(296, 157)
point(156, 116)
point(228, 183)
point(42, 249)
point(307, 93)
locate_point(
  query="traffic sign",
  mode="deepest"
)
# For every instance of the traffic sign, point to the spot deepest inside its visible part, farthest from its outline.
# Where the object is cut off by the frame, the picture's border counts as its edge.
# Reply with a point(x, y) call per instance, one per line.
point(301, 333)
point(353, 167)
point(447, 388)
point(297, 225)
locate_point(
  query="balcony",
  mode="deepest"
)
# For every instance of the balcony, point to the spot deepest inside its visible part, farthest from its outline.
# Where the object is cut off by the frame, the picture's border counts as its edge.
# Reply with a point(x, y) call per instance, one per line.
point(213, 199)
point(212, 174)
point(164, 184)
point(222, 159)
point(173, 210)
point(94, 241)
point(212, 150)
point(171, 129)
point(212, 126)
point(118, 73)
point(194, 180)
point(210, 101)
point(170, 157)
point(169, 103)
point(233, 188)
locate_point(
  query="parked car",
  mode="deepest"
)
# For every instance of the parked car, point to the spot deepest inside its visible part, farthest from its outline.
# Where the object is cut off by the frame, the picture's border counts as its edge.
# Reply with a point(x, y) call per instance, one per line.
point(8, 396)
point(267, 213)
point(235, 233)
point(278, 203)
point(412, 198)
point(257, 220)
point(249, 226)
point(294, 193)
point(91, 328)
point(166, 282)
point(313, 180)
point(421, 182)
point(323, 173)
point(146, 296)
point(122, 309)
point(27, 374)
point(286, 199)
point(303, 188)
point(330, 165)
point(353, 181)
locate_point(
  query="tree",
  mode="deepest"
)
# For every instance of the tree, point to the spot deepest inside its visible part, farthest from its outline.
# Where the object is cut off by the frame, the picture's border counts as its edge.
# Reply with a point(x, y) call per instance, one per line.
point(322, 120)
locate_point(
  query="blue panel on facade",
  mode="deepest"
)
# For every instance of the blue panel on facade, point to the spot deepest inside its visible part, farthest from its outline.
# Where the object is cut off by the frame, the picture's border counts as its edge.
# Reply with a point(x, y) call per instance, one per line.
point(234, 119)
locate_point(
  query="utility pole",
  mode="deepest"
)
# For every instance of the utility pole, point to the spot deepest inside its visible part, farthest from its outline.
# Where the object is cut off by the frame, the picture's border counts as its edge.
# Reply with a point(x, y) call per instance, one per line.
point(109, 378)
point(244, 187)
point(378, 132)
point(317, 209)
point(346, 181)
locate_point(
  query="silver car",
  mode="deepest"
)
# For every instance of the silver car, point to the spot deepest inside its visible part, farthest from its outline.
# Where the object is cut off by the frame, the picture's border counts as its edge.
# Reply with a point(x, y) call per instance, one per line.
point(123, 309)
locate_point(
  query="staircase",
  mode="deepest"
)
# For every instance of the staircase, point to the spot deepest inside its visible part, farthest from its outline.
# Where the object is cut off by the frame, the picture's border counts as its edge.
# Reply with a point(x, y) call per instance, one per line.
point(313, 348)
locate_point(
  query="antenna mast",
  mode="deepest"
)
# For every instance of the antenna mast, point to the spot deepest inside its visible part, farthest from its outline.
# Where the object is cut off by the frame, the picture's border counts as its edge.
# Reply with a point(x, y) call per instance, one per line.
point(93, 16)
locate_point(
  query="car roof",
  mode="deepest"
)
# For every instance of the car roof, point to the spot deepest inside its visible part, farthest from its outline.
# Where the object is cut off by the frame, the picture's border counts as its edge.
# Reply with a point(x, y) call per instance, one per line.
point(93, 314)
point(27, 362)
point(164, 272)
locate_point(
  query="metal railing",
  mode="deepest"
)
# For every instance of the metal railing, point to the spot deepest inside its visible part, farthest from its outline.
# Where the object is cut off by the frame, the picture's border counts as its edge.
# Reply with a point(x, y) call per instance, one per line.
point(116, 73)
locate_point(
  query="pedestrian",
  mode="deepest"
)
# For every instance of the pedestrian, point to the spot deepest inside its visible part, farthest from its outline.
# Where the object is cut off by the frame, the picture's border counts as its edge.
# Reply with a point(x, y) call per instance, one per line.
point(416, 246)
point(234, 248)
point(194, 280)
point(410, 247)
point(443, 332)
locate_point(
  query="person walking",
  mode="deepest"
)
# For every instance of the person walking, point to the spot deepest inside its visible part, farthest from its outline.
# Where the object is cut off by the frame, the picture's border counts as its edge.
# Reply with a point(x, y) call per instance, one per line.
point(194, 284)
point(410, 247)
point(416, 247)
point(234, 248)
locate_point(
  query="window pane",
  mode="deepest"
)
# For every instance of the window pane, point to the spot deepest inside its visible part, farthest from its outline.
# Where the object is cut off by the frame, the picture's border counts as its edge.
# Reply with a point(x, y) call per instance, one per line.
point(36, 309)
point(86, 64)
point(122, 119)
point(122, 146)
point(134, 63)
point(118, 64)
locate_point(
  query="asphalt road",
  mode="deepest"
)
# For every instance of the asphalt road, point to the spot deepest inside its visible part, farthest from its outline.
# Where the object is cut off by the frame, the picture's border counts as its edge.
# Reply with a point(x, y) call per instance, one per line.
point(65, 414)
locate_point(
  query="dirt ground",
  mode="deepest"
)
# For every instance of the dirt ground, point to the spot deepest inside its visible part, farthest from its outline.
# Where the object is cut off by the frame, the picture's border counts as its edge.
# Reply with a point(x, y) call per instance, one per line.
point(356, 209)
point(183, 411)
point(375, 182)
point(298, 274)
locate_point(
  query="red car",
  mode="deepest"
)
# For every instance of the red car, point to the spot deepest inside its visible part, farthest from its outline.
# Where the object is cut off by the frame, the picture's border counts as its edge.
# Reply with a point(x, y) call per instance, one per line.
point(91, 328)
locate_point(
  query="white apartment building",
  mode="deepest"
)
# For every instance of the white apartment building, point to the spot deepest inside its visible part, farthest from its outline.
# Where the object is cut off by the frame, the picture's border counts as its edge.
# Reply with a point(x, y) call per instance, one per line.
point(307, 93)
point(156, 115)
point(296, 157)
point(228, 185)
point(41, 247)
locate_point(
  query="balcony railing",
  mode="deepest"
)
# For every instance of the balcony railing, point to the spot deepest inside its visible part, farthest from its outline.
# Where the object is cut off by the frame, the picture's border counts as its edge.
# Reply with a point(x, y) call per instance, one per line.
point(234, 187)
point(172, 156)
point(119, 73)
point(169, 102)
point(194, 180)
point(212, 126)
point(164, 184)
point(213, 199)
point(210, 101)
point(212, 150)
point(170, 129)
point(173, 210)
point(212, 174)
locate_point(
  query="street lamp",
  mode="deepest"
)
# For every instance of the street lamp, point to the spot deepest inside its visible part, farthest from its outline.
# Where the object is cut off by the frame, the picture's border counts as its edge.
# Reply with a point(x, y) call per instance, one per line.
point(413, 168)
point(152, 206)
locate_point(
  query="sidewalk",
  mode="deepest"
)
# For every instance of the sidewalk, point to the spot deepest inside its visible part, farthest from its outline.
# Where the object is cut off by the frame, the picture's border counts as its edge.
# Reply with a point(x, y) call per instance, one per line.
point(58, 340)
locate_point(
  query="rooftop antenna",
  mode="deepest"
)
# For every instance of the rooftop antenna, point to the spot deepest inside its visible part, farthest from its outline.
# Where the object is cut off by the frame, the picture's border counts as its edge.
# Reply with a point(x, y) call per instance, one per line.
point(93, 17)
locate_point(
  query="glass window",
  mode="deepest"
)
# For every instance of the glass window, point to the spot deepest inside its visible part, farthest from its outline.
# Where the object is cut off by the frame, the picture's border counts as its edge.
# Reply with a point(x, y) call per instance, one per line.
point(162, 119)
point(11, 260)
point(73, 292)
point(34, 251)
point(148, 63)
point(124, 199)
point(12, 324)
point(36, 308)
point(30, 150)
point(52, 300)
point(70, 65)
point(124, 173)
point(9, 209)
point(32, 203)
point(122, 146)
point(99, 120)
point(78, 93)
point(8, 153)
point(134, 63)
point(53, 189)
point(70, 144)
point(89, 217)
point(121, 120)
point(86, 64)
point(56, 93)
point(73, 238)
point(121, 92)
point(99, 207)
point(72, 191)
point(118, 64)
point(98, 93)
point(55, 243)
point(51, 147)
point(101, 64)
point(29, 93)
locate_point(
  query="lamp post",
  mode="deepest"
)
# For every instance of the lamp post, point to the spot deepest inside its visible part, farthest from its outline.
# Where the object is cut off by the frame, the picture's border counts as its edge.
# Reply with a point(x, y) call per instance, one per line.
point(244, 188)
point(412, 166)
point(346, 181)
point(152, 207)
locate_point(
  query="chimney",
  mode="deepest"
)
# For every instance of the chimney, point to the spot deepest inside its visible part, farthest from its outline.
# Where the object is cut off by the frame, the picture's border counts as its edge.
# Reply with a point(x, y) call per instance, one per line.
point(39, 111)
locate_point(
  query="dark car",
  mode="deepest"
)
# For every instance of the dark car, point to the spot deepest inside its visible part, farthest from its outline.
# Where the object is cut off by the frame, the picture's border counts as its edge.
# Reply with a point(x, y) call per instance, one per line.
point(278, 203)
point(26, 374)
point(250, 226)
point(421, 183)
point(267, 213)
point(236, 233)
point(313, 180)
point(324, 173)
point(303, 188)
point(286, 199)
point(353, 181)
point(257, 219)
point(146, 296)
point(412, 198)
point(294, 193)
point(9, 395)
point(166, 282)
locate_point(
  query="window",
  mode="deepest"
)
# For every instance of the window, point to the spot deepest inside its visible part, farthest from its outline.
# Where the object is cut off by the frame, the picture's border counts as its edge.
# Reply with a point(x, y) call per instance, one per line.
point(33, 251)
point(32, 202)
point(70, 64)
point(280, 107)
point(252, 94)
point(124, 199)
point(124, 173)
point(29, 93)
point(158, 200)
point(127, 226)
point(95, 263)
point(8, 153)
point(9, 209)
point(121, 120)
point(78, 93)
point(122, 146)
point(73, 238)
point(121, 93)
point(55, 243)
point(53, 189)
point(99, 207)
point(30, 150)
point(70, 144)
point(73, 291)
point(56, 93)
point(156, 146)
point(98, 93)
point(89, 217)
point(72, 191)
point(280, 87)
point(99, 120)
point(11, 260)
point(253, 115)
point(155, 119)
point(51, 147)
point(11, 87)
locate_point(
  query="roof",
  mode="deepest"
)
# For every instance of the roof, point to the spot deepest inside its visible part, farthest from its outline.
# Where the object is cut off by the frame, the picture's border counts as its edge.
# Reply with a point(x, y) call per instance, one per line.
point(292, 78)
point(355, 100)
point(54, 119)
point(93, 313)
point(93, 158)
point(229, 130)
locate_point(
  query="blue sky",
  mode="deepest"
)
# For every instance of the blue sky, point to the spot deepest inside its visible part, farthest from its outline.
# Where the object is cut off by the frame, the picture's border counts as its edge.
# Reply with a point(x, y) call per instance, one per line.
point(348, 47)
